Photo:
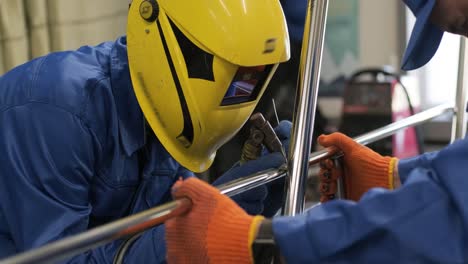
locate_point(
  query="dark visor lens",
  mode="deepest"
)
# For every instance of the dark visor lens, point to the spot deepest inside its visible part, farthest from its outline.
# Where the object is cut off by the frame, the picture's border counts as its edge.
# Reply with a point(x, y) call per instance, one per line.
point(246, 84)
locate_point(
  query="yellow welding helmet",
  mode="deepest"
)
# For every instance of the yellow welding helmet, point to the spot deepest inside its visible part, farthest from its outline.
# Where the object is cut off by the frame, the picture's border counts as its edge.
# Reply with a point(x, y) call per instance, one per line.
point(199, 67)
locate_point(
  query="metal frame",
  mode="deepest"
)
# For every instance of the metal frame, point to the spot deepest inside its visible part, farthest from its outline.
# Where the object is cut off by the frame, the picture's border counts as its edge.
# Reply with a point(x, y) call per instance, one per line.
point(147, 219)
point(459, 119)
point(299, 153)
point(306, 104)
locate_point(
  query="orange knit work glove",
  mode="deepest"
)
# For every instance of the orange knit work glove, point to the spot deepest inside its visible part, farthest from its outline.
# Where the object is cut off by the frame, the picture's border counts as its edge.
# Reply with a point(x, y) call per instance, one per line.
point(363, 168)
point(215, 230)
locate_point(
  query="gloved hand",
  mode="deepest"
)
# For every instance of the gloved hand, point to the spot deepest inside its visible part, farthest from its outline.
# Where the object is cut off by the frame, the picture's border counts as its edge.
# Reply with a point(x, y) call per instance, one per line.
point(267, 199)
point(363, 168)
point(275, 197)
point(215, 230)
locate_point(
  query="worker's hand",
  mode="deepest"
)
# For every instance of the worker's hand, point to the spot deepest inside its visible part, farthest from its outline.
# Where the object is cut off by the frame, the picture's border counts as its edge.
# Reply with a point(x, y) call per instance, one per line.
point(274, 199)
point(283, 131)
point(251, 201)
point(267, 199)
point(215, 230)
point(363, 168)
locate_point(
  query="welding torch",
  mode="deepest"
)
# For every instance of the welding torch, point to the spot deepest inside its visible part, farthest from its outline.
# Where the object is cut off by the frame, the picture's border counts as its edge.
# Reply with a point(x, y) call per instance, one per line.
point(261, 134)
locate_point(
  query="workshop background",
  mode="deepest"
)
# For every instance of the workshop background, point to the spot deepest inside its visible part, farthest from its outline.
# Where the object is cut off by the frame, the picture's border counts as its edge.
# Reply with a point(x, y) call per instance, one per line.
point(32, 28)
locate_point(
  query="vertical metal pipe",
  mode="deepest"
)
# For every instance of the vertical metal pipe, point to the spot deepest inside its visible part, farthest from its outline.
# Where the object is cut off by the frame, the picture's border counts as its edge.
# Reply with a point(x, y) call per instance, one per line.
point(340, 188)
point(459, 119)
point(305, 105)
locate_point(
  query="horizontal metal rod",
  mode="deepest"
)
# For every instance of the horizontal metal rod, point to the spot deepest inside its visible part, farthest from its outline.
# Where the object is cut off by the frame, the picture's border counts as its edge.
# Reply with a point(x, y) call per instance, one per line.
point(259, 179)
point(390, 129)
point(98, 236)
point(133, 224)
point(414, 120)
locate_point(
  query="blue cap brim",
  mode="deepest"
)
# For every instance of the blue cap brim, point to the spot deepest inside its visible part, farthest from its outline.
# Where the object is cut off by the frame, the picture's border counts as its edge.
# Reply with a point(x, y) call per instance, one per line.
point(424, 41)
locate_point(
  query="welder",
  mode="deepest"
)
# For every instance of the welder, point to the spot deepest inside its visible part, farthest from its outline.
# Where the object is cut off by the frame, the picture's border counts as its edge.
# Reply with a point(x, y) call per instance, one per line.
point(425, 220)
point(93, 135)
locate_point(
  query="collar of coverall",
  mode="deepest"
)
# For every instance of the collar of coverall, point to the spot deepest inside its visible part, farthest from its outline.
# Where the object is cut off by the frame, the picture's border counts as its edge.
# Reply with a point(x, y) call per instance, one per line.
point(131, 119)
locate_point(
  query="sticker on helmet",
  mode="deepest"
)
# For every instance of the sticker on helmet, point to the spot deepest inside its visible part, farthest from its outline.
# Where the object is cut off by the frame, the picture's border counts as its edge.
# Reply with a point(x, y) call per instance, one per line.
point(270, 45)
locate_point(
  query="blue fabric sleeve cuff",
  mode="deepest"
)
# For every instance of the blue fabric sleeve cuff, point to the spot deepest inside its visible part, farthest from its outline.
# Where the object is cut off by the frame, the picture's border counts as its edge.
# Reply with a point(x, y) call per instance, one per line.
point(405, 166)
point(284, 228)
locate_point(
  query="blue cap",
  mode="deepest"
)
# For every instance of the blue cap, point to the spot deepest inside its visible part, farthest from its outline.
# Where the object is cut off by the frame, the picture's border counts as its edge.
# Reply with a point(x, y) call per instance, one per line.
point(425, 38)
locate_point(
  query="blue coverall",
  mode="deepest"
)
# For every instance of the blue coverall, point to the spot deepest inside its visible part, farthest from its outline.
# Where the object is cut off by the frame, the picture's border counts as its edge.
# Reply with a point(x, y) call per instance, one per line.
point(75, 153)
point(423, 221)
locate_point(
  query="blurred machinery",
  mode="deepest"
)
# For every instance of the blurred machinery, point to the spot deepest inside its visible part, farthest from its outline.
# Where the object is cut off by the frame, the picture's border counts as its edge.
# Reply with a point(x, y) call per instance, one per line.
point(373, 98)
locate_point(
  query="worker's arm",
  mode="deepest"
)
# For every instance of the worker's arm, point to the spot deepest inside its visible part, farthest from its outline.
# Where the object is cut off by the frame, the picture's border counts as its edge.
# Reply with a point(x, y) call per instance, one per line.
point(405, 166)
point(48, 158)
point(418, 223)
point(423, 221)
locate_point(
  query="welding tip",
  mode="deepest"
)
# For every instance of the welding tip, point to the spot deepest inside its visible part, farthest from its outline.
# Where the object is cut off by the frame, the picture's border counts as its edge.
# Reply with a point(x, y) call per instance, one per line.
point(271, 140)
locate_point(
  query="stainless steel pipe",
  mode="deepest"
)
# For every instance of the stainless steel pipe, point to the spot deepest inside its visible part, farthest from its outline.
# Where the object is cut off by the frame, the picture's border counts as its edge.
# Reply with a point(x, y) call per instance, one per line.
point(391, 129)
point(133, 224)
point(74, 245)
point(244, 184)
point(459, 120)
point(305, 105)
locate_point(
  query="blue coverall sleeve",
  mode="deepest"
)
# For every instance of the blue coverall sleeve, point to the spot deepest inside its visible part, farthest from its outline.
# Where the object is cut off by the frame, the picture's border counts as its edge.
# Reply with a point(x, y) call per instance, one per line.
point(424, 221)
point(295, 12)
point(47, 164)
point(138, 251)
point(405, 166)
